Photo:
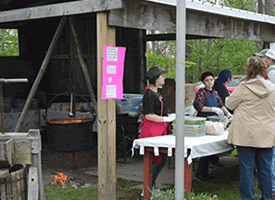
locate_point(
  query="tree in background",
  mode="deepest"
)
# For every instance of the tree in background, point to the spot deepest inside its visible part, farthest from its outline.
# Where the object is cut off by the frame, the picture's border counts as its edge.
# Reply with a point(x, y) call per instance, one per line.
point(217, 54)
point(162, 54)
point(9, 42)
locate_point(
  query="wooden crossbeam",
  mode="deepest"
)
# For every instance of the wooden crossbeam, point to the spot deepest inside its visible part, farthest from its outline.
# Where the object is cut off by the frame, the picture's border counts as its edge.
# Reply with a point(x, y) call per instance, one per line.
point(59, 9)
point(199, 23)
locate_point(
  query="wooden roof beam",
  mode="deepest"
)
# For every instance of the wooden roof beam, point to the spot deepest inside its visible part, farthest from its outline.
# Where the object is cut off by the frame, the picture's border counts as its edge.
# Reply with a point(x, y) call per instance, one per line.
point(199, 23)
point(60, 9)
point(171, 36)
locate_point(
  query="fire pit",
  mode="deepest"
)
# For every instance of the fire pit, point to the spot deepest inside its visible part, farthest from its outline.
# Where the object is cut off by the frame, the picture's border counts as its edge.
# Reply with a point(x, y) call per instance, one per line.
point(63, 181)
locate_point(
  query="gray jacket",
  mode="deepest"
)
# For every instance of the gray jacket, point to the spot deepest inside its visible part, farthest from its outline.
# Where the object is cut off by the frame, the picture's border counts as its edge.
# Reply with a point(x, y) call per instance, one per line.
point(271, 73)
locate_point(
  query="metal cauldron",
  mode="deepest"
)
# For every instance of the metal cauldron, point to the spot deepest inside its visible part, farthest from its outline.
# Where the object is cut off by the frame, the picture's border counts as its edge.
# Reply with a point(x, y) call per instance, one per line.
point(69, 134)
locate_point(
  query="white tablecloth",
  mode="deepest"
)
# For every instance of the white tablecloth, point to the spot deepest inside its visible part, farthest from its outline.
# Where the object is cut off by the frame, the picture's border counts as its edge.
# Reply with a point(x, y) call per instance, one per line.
point(200, 146)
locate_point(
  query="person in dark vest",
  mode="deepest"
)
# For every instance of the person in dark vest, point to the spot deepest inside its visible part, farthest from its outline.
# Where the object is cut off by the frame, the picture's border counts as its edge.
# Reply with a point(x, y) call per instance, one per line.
point(207, 103)
point(155, 121)
point(221, 83)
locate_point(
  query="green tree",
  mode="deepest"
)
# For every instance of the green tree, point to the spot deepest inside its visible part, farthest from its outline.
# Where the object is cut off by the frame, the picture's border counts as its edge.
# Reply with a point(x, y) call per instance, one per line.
point(162, 54)
point(9, 42)
point(208, 54)
point(218, 54)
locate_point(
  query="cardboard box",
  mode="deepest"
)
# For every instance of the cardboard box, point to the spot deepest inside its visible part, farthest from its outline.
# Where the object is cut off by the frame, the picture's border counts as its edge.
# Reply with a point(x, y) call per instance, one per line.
point(171, 107)
point(169, 90)
point(190, 93)
point(169, 94)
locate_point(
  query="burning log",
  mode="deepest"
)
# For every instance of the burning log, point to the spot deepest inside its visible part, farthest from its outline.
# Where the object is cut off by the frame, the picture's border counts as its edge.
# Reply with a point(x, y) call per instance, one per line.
point(60, 180)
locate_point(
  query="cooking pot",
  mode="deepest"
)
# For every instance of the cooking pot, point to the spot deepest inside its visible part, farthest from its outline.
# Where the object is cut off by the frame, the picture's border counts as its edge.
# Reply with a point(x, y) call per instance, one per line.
point(70, 134)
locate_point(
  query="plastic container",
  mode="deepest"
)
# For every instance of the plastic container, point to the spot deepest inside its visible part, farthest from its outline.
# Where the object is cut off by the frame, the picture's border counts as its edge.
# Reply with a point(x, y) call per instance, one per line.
point(194, 133)
point(190, 120)
point(194, 130)
point(194, 127)
point(214, 118)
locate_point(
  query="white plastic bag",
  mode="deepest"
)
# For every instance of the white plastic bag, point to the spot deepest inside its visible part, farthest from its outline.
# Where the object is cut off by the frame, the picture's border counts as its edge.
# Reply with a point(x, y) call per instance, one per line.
point(214, 128)
point(191, 111)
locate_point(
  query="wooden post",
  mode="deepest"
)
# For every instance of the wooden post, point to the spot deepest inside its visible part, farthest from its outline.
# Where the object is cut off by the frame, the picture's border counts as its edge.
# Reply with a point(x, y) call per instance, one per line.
point(83, 65)
point(188, 173)
point(36, 159)
point(2, 109)
point(106, 118)
point(33, 189)
point(142, 70)
point(40, 75)
point(147, 173)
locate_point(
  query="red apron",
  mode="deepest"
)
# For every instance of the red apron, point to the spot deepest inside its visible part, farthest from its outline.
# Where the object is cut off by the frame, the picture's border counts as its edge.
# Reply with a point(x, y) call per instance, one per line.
point(153, 129)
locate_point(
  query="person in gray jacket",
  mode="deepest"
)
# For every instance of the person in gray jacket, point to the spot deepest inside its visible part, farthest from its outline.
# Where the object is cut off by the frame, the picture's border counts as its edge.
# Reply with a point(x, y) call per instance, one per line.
point(268, 55)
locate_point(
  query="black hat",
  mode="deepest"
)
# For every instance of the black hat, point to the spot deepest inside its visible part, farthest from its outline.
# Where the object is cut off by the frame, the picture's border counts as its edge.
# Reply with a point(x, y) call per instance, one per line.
point(154, 71)
point(205, 74)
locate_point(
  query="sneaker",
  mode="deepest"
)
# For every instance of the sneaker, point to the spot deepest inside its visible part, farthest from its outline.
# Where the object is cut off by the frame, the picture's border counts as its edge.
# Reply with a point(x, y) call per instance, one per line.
point(258, 196)
point(273, 195)
point(202, 178)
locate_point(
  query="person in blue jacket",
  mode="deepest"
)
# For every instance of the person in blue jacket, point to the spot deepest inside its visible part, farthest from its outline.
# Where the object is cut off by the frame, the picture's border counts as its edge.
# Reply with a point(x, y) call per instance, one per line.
point(221, 83)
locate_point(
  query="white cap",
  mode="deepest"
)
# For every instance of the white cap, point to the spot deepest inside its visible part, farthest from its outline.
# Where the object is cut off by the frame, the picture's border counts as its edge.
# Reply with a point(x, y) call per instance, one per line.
point(270, 53)
point(266, 53)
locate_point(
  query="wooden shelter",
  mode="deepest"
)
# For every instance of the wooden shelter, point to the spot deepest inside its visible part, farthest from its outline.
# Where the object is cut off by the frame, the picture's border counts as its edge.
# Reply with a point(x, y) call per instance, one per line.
point(114, 23)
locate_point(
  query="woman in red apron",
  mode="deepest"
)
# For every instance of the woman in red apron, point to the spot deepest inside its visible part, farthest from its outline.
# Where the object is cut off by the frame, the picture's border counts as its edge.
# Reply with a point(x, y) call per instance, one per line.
point(155, 121)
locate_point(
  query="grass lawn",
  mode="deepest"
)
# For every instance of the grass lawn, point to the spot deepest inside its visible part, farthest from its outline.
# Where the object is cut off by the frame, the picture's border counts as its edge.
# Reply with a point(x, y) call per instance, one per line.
point(234, 153)
point(225, 185)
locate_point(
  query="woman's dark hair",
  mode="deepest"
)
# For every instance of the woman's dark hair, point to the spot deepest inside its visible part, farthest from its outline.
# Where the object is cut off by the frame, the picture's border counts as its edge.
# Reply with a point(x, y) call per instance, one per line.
point(152, 81)
point(256, 66)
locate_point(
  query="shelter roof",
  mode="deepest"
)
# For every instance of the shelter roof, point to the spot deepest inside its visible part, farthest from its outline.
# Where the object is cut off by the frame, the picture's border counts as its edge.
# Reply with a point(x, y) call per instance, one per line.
point(220, 10)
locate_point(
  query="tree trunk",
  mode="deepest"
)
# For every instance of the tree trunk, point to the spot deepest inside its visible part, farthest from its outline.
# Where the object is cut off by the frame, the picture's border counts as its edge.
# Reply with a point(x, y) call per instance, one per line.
point(260, 6)
point(269, 10)
point(3, 36)
point(269, 7)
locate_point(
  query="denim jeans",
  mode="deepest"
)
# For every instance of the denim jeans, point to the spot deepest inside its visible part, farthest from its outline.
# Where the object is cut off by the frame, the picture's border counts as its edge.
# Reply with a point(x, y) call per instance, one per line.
point(156, 171)
point(248, 158)
point(273, 170)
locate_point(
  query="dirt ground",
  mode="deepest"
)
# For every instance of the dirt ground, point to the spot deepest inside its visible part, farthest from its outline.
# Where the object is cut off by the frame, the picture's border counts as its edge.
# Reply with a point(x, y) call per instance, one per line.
point(54, 162)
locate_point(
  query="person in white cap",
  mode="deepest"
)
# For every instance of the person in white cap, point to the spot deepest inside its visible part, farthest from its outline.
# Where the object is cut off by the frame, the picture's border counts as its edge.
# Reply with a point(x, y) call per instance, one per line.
point(268, 55)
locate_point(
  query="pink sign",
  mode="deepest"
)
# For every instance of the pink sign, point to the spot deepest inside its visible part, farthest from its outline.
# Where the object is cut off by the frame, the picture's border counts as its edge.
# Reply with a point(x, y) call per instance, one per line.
point(112, 73)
